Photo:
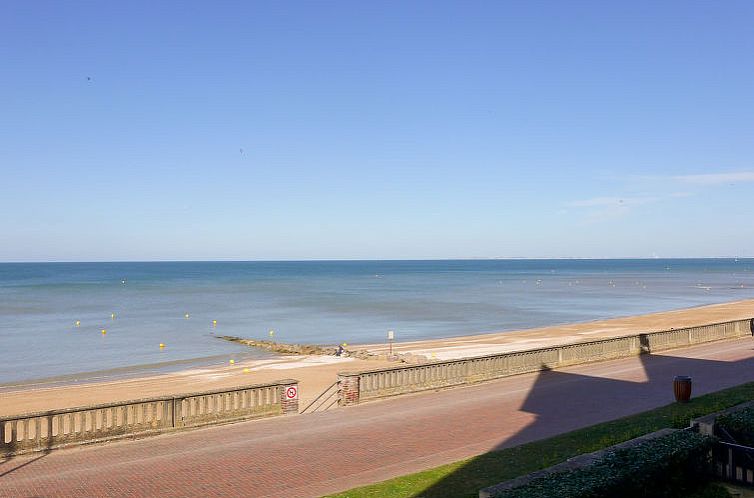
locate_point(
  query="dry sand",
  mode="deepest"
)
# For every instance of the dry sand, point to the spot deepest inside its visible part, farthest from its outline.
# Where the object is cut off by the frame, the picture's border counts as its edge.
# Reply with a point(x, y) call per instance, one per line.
point(315, 373)
point(476, 345)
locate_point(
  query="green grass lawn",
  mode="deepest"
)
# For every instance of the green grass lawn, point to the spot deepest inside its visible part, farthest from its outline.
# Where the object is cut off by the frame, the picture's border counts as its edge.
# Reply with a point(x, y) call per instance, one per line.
point(466, 477)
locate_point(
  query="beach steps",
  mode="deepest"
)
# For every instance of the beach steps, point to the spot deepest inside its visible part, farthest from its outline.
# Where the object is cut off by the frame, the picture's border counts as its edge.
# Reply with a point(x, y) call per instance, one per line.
point(326, 400)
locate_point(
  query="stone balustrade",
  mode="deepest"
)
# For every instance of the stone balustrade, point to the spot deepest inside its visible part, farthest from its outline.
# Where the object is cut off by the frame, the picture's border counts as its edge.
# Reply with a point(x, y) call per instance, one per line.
point(211, 407)
point(42, 431)
point(372, 384)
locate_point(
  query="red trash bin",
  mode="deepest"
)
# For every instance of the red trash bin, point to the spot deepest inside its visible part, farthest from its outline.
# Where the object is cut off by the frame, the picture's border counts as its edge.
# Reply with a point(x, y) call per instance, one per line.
point(682, 388)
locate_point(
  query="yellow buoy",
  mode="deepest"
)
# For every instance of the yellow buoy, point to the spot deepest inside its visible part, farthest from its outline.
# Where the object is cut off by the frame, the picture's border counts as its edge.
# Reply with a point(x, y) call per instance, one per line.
point(112, 316)
point(246, 370)
point(78, 323)
point(104, 331)
point(272, 332)
point(232, 362)
point(186, 316)
point(344, 344)
point(214, 323)
point(162, 345)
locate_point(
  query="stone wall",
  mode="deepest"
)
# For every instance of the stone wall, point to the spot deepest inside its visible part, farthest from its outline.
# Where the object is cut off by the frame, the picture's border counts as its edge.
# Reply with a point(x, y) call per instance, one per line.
point(706, 424)
point(43, 431)
point(372, 384)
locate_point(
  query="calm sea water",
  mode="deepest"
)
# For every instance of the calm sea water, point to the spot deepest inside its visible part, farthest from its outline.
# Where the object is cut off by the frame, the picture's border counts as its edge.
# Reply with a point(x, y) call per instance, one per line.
point(316, 302)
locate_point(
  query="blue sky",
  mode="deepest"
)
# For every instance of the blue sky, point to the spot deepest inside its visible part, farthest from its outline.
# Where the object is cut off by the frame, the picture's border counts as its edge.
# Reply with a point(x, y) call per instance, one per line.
point(376, 130)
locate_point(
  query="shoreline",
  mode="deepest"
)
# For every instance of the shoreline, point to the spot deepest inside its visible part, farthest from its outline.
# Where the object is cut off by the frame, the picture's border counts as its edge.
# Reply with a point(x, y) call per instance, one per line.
point(316, 372)
point(126, 373)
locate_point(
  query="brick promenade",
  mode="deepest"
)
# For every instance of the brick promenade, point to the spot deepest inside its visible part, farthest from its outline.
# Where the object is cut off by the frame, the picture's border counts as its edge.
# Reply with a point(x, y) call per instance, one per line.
point(311, 455)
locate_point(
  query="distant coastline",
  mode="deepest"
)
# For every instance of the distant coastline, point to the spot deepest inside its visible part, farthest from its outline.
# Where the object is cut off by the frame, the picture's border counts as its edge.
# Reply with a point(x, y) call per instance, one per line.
point(373, 260)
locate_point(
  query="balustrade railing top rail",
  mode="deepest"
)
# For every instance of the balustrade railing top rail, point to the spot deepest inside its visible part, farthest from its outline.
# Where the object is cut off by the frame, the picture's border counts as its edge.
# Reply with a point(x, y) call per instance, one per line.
point(749, 322)
point(63, 411)
point(485, 356)
point(44, 430)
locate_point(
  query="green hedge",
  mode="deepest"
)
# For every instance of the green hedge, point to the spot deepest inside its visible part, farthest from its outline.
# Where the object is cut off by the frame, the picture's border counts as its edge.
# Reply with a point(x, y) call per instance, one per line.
point(740, 425)
point(669, 466)
point(711, 490)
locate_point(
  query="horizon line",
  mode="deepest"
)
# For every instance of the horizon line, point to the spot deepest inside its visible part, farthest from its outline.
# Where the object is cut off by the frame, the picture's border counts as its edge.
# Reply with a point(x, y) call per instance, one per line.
point(335, 260)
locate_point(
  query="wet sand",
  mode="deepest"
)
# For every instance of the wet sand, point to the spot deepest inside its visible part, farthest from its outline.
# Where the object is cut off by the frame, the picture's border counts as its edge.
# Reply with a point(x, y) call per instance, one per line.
point(315, 373)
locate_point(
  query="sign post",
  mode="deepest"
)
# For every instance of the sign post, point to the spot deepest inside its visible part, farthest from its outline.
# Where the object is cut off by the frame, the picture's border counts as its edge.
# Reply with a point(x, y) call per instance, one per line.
point(390, 337)
point(289, 397)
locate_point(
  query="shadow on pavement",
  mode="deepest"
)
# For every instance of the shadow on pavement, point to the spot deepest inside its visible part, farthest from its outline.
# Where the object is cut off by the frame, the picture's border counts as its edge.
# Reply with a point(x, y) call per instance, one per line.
point(44, 452)
point(17, 467)
point(564, 401)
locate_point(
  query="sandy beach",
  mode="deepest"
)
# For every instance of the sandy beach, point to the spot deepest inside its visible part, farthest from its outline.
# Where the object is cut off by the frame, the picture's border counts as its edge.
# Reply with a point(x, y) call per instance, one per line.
point(482, 344)
point(315, 373)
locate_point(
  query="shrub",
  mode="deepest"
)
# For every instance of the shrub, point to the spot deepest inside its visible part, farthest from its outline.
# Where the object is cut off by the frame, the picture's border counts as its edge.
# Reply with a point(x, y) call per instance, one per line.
point(669, 466)
point(711, 490)
point(740, 425)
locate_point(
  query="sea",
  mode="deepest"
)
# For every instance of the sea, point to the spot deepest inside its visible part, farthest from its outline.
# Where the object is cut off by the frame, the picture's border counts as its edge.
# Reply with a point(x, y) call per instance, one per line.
point(52, 315)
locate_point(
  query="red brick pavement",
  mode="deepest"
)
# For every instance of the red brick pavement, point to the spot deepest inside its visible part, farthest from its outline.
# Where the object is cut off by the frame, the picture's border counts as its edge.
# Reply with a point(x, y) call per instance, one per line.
point(311, 455)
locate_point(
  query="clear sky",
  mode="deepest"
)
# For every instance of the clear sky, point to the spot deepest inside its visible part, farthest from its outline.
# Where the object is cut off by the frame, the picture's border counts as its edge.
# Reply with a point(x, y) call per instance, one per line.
point(376, 130)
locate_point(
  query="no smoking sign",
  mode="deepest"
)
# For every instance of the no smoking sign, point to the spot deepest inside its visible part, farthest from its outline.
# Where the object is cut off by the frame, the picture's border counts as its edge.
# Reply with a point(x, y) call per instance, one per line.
point(291, 393)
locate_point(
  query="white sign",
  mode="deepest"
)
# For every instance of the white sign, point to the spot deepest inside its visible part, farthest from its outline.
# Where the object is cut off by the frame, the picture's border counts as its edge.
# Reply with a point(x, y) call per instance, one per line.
point(390, 335)
point(291, 393)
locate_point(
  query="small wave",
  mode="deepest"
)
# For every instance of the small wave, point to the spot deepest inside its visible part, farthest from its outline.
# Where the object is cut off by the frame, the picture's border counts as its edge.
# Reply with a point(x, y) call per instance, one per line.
point(121, 372)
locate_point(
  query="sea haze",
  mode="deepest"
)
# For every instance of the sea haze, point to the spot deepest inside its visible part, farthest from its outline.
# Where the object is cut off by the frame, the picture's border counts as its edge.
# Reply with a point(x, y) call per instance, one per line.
point(323, 302)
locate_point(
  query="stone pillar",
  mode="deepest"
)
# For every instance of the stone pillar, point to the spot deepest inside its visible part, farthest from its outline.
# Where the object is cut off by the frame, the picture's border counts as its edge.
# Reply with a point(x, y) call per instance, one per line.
point(176, 412)
point(289, 397)
point(349, 389)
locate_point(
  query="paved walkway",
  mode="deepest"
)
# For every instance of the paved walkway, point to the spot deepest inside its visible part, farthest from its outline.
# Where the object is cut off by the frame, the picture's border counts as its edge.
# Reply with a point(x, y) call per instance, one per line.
point(311, 455)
